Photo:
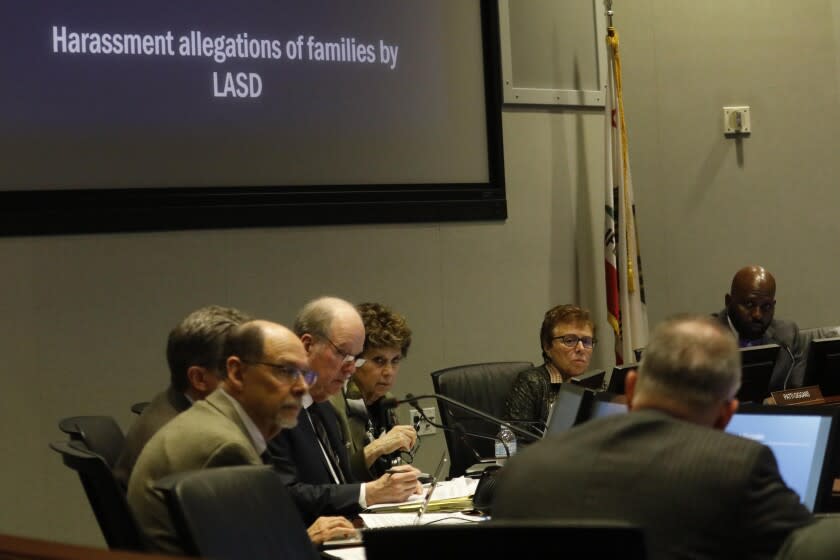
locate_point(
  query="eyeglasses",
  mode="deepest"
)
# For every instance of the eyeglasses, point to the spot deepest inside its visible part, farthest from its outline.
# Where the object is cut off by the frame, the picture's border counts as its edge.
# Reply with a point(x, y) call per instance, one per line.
point(346, 357)
point(291, 374)
point(571, 340)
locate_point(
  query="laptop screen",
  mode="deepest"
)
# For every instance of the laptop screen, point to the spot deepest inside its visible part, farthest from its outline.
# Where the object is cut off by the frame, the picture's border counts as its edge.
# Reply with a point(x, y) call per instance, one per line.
point(802, 440)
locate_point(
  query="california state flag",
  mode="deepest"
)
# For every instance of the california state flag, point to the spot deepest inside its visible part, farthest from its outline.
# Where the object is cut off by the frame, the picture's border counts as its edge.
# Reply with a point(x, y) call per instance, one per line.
point(625, 290)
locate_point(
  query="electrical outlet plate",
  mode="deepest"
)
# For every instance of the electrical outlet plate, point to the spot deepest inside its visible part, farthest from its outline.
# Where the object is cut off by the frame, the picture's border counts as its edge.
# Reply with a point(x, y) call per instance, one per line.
point(427, 429)
point(736, 120)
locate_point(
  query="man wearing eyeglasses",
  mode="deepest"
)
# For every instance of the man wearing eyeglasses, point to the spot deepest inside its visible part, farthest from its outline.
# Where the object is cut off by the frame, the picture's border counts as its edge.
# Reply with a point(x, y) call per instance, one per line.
point(313, 457)
point(749, 314)
point(266, 378)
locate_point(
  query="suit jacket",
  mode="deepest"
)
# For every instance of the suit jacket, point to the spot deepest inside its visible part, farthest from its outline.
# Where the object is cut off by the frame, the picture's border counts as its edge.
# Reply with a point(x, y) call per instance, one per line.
point(209, 434)
point(163, 408)
point(297, 455)
point(697, 492)
point(791, 355)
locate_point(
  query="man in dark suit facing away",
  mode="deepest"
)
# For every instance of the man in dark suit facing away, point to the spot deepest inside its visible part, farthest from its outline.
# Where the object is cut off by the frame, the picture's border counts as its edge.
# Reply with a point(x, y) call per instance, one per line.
point(667, 465)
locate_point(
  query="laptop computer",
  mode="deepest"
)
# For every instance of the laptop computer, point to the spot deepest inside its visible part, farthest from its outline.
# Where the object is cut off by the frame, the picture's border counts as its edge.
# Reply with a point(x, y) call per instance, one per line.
point(804, 441)
point(570, 407)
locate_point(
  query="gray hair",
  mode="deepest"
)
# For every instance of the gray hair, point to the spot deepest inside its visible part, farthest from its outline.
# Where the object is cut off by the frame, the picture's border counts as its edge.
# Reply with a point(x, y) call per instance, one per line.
point(316, 317)
point(691, 359)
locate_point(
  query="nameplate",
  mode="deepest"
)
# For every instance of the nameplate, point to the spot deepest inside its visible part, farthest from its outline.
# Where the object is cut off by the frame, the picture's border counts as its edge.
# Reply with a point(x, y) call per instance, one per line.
point(802, 395)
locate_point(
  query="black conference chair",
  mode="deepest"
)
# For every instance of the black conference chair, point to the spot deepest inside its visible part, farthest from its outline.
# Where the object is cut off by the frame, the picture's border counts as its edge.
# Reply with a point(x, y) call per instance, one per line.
point(483, 386)
point(594, 539)
point(105, 495)
point(236, 513)
point(100, 434)
point(139, 407)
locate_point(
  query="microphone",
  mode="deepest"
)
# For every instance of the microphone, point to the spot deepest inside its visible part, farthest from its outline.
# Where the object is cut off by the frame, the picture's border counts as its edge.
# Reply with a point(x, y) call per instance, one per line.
point(792, 363)
point(412, 400)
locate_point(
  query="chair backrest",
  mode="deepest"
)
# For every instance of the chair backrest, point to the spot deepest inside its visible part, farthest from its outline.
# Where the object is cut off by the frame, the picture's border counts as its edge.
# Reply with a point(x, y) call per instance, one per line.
point(484, 386)
point(233, 513)
point(100, 434)
point(595, 539)
point(139, 407)
point(105, 495)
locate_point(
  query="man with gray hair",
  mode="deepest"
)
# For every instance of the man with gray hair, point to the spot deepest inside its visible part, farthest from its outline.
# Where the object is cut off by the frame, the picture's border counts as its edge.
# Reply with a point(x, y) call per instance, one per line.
point(312, 457)
point(194, 354)
point(667, 466)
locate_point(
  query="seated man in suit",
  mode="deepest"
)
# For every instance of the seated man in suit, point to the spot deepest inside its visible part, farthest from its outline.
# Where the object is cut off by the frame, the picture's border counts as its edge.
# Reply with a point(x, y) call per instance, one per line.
point(312, 456)
point(667, 465)
point(194, 354)
point(265, 379)
point(750, 306)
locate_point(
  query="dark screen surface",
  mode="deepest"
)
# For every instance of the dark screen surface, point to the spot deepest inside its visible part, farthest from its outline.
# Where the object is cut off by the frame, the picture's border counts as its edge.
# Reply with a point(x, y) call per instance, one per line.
point(757, 364)
point(823, 365)
point(212, 113)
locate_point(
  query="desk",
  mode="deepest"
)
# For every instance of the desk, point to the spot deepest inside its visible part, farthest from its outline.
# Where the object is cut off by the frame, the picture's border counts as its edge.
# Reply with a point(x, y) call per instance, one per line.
point(22, 548)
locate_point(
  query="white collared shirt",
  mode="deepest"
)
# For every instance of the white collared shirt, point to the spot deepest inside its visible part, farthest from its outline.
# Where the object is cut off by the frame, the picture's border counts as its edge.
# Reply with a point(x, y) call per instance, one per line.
point(307, 401)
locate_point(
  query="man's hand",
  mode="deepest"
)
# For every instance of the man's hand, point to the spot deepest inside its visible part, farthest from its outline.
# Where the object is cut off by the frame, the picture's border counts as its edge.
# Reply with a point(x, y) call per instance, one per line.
point(399, 437)
point(326, 528)
point(394, 486)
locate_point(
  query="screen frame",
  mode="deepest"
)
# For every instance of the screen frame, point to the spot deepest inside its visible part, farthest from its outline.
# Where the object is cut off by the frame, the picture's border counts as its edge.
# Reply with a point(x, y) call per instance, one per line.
point(61, 211)
point(816, 373)
point(754, 360)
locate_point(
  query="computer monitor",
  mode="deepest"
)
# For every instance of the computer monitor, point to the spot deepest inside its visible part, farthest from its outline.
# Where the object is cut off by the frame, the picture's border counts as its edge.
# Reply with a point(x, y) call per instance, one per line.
point(591, 379)
point(571, 407)
point(616, 383)
point(757, 363)
point(606, 404)
point(803, 439)
point(823, 365)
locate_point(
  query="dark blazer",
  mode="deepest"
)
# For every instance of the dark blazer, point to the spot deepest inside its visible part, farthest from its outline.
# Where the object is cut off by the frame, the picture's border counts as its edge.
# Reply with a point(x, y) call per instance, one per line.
point(163, 408)
point(697, 492)
point(791, 357)
point(297, 455)
point(531, 396)
point(209, 434)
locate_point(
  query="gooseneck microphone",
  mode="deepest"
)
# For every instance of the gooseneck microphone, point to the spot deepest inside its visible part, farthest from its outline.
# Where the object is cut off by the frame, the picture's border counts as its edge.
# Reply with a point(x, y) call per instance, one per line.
point(792, 363)
point(412, 400)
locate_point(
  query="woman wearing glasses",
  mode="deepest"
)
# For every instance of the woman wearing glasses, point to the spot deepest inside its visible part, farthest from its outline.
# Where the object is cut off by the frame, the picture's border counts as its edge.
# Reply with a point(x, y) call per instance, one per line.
point(567, 338)
point(374, 439)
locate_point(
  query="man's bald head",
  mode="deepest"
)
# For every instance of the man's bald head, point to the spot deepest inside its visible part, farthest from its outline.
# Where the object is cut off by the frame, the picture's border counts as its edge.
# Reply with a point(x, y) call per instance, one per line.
point(751, 301)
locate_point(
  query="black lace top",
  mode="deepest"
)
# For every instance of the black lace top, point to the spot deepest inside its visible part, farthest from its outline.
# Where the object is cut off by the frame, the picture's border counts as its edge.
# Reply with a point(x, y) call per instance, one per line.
point(531, 397)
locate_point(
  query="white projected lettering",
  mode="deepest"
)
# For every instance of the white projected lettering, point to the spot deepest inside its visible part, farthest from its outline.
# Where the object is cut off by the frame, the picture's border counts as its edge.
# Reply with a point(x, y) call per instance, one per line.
point(225, 48)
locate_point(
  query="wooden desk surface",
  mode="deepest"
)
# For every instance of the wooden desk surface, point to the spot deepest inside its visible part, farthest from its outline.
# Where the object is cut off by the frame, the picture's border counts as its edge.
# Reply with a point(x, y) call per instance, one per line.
point(23, 548)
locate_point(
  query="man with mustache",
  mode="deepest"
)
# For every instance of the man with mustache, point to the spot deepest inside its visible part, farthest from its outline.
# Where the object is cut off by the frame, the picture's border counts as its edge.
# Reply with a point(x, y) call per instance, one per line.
point(266, 377)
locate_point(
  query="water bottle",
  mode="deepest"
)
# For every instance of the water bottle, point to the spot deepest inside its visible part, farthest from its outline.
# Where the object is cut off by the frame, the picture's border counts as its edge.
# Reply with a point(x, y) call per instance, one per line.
point(504, 438)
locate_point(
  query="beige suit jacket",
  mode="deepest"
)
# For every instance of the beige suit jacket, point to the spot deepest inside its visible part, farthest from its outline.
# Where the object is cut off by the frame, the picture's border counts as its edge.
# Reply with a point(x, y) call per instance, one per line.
point(209, 434)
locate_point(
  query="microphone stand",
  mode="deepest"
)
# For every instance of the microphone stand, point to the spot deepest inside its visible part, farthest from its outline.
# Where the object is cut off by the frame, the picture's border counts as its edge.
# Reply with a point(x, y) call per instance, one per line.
point(412, 400)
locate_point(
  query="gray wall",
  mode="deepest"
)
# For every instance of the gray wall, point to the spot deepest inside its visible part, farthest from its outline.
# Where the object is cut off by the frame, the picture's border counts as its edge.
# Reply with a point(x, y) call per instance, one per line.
point(85, 317)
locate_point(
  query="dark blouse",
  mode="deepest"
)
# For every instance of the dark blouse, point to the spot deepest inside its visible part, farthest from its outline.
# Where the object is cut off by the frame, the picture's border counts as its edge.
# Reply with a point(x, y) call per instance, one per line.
point(531, 397)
